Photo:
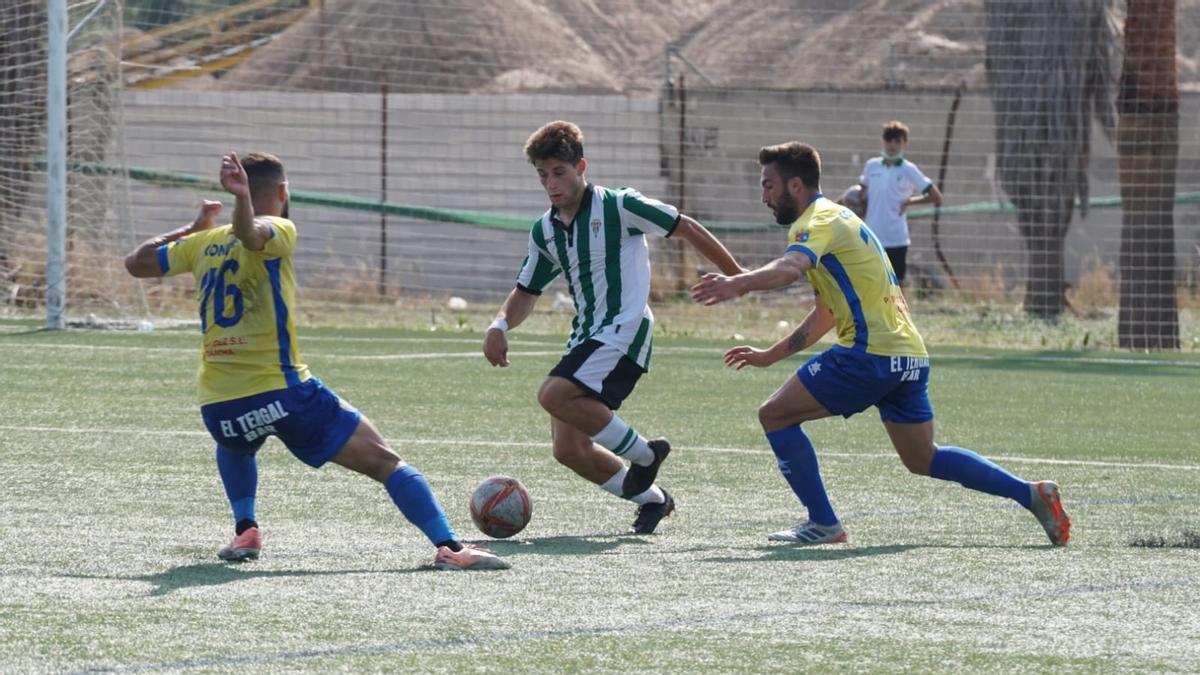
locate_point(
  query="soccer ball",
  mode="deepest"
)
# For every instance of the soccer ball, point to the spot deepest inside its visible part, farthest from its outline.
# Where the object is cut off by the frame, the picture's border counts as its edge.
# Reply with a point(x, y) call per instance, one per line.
point(852, 199)
point(500, 506)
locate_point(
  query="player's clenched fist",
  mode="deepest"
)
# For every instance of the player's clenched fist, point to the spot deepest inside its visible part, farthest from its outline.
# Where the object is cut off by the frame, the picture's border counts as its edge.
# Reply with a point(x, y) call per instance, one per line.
point(233, 176)
point(207, 216)
point(495, 347)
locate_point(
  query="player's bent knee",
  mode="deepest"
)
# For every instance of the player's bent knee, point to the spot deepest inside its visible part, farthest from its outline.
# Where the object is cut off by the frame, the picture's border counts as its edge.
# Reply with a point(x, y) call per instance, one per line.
point(570, 454)
point(383, 466)
point(552, 396)
point(374, 460)
point(773, 416)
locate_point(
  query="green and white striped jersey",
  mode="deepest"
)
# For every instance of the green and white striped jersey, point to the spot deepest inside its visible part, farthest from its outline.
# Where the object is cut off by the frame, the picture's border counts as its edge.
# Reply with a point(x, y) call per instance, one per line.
point(604, 255)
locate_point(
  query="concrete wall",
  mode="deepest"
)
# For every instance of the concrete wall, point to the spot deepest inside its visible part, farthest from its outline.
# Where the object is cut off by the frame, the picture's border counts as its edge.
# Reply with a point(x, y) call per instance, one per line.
point(465, 152)
point(725, 129)
point(451, 151)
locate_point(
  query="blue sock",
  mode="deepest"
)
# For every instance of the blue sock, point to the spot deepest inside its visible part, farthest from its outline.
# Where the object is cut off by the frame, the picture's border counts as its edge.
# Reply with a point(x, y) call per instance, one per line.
point(411, 492)
point(239, 473)
point(798, 462)
point(973, 471)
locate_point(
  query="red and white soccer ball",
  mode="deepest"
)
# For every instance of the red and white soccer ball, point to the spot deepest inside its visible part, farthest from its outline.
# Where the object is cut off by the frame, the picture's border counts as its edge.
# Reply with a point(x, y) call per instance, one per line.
point(500, 506)
point(852, 199)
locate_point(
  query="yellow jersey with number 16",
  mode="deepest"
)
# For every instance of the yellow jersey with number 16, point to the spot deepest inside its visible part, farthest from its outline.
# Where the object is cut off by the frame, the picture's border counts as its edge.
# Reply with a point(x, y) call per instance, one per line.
point(852, 274)
point(246, 303)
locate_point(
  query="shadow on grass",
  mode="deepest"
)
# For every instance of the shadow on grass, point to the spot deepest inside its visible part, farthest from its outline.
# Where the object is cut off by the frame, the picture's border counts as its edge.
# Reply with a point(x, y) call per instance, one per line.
point(586, 544)
point(217, 573)
point(785, 552)
point(1185, 539)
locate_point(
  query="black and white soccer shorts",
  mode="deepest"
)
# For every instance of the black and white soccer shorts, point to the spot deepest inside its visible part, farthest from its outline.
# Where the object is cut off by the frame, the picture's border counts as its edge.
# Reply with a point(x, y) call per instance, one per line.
point(601, 370)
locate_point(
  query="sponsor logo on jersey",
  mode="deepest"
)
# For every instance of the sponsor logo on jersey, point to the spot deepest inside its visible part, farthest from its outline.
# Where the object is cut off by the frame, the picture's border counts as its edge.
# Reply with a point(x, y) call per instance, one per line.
point(220, 249)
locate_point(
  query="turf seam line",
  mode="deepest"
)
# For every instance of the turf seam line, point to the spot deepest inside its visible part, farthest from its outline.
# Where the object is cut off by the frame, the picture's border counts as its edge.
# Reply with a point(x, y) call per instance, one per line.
point(401, 442)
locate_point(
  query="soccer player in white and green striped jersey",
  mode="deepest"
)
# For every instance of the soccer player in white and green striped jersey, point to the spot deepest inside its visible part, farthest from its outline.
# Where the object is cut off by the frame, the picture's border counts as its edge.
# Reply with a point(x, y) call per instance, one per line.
point(596, 238)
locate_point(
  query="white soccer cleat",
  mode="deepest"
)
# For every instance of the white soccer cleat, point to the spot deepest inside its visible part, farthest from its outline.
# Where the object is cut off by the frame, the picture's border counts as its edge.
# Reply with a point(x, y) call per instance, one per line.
point(809, 533)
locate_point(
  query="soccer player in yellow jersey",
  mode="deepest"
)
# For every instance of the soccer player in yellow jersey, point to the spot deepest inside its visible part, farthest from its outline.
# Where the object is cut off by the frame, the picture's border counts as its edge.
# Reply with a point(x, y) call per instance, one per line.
point(879, 359)
point(253, 383)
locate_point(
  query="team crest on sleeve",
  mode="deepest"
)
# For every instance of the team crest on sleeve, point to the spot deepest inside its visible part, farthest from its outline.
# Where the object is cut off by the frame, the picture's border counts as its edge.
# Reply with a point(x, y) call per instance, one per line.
point(595, 226)
point(804, 236)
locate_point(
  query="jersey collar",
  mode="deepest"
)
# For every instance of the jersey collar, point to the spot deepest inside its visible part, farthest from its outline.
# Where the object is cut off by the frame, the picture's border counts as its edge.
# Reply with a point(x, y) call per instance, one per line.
point(585, 199)
point(808, 205)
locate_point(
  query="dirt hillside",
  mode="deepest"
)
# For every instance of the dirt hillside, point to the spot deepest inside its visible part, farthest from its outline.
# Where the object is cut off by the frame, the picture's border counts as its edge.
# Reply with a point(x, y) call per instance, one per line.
point(610, 46)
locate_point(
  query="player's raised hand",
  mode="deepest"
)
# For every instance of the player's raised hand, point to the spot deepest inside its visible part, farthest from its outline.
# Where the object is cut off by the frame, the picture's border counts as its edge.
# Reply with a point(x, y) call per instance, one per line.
point(744, 355)
point(495, 347)
point(207, 217)
point(233, 176)
point(713, 288)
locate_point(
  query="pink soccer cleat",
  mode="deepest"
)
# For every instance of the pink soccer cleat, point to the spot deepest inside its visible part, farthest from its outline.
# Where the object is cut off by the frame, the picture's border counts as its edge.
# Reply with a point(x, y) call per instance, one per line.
point(245, 546)
point(469, 558)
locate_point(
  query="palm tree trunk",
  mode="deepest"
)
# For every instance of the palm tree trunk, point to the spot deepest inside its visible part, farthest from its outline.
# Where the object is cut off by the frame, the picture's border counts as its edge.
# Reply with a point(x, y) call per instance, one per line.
point(1048, 73)
point(1148, 150)
point(1042, 217)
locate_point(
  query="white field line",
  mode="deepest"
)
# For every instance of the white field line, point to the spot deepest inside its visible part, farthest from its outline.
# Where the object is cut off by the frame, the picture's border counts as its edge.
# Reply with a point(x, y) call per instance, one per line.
point(428, 355)
point(714, 351)
point(433, 337)
point(401, 442)
point(329, 356)
point(96, 348)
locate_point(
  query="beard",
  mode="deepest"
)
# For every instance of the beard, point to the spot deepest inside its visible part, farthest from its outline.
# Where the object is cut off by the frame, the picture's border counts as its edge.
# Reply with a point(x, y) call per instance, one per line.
point(786, 210)
point(285, 208)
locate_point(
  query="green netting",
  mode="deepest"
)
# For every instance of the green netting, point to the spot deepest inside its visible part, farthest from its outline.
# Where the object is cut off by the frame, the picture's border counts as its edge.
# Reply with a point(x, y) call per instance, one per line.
point(499, 221)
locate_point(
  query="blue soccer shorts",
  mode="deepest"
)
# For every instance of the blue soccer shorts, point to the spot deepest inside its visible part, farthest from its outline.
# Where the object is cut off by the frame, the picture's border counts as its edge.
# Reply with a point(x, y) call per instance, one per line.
point(311, 420)
point(846, 382)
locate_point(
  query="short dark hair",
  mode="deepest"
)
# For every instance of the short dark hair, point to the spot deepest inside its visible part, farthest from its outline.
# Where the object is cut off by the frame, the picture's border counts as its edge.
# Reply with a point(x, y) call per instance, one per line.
point(895, 130)
point(794, 160)
point(556, 140)
point(264, 171)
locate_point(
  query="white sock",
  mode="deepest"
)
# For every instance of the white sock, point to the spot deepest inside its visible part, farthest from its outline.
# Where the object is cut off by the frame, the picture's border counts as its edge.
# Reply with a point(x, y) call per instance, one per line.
point(625, 442)
point(652, 496)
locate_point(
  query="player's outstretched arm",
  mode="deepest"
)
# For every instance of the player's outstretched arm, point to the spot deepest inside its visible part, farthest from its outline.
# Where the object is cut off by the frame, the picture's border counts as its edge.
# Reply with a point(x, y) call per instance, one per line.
point(142, 261)
point(516, 309)
point(714, 288)
point(704, 241)
point(812, 328)
point(251, 232)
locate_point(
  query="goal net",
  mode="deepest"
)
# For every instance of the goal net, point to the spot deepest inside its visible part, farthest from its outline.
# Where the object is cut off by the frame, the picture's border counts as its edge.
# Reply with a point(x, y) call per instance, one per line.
point(99, 226)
